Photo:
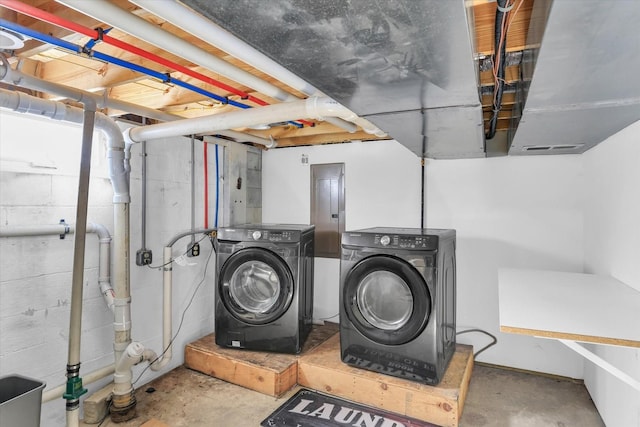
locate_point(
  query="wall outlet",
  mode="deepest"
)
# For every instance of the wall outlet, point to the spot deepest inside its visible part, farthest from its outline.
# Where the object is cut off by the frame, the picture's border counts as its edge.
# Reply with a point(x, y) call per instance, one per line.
point(143, 257)
point(193, 249)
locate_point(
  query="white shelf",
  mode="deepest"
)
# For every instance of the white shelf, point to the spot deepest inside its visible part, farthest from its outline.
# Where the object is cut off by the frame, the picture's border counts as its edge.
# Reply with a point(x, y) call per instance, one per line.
point(571, 307)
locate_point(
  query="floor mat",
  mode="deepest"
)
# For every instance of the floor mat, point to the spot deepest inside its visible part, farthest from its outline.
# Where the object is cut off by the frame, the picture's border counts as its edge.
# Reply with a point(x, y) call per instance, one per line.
point(311, 409)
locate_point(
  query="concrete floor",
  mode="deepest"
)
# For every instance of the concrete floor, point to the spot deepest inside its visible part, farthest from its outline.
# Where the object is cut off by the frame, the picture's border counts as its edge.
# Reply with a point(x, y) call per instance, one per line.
point(497, 397)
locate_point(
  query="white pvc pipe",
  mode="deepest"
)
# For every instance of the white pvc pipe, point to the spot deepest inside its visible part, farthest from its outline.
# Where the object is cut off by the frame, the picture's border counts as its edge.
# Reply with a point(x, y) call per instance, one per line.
point(242, 137)
point(18, 78)
point(158, 362)
point(206, 30)
point(111, 14)
point(118, 173)
point(104, 268)
point(23, 103)
point(122, 378)
point(91, 377)
point(316, 108)
point(167, 328)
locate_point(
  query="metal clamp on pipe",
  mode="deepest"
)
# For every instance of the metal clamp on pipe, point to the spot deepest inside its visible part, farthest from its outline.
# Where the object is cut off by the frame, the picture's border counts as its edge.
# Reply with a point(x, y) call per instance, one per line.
point(74, 387)
point(67, 229)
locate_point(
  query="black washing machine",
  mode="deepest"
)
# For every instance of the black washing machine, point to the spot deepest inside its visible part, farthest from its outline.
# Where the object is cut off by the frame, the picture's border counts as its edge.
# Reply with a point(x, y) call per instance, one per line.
point(264, 286)
point(398, 301)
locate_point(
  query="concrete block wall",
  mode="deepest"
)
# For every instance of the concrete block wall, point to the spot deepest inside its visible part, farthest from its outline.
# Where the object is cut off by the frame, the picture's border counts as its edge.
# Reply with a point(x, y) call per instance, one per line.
point(39, 162)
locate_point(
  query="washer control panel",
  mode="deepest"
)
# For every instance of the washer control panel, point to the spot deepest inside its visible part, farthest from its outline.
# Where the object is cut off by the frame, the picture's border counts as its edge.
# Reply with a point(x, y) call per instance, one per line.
point(272, 236)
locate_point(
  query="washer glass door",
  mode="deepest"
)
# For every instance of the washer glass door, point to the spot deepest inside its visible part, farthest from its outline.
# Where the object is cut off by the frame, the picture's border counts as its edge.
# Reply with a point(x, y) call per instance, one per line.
point(255, 285)
point(386, 299)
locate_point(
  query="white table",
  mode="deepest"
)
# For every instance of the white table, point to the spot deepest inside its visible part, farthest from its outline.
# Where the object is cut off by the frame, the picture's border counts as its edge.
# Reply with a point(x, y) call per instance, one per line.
point(572, 308)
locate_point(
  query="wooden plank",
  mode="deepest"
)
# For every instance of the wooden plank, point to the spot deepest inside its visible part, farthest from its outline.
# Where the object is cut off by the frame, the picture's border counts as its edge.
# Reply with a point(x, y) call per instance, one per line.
point(269, 373)
point(572, 306)
point(323, 370)
point(331, 138)
point(484, 21)
point(96, 406)
point(511, 74)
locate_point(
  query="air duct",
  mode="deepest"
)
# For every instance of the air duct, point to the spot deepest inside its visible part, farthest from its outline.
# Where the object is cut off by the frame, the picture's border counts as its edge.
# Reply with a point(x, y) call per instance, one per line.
point(580, 83)
point(404, 66)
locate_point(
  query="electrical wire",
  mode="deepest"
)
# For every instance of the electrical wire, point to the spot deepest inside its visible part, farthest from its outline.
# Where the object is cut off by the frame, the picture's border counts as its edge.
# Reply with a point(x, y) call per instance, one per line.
point(494, 339)
point(330, 317)
point(184, 312)
point(158, 267)
point(500, 28)
point(106, 413)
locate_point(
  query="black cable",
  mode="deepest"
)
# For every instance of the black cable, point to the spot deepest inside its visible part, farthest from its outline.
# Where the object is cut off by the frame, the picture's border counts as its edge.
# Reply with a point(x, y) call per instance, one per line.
point(157, 267)
point(330, 317)
point(184, 312)
point(107, 413)
point(499, 59)
point(494, 342)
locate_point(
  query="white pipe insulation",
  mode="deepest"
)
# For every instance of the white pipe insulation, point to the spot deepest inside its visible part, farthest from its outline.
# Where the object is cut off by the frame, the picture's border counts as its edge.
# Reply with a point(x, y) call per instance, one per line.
point(315, 108)
point(111, 14)
point(104, 239)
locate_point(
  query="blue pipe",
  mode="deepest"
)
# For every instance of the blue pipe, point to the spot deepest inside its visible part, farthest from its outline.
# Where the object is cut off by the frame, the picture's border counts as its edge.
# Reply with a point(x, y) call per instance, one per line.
point(215, 222)
point(40, 36)
point(165, 78)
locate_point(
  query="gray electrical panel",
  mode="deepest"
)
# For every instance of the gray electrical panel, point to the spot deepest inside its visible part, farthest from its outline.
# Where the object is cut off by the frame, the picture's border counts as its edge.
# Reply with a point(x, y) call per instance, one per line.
point(327, 208)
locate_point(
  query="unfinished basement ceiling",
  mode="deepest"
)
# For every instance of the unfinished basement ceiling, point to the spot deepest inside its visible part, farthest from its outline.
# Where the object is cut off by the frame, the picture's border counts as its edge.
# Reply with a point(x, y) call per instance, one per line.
point(413, 68)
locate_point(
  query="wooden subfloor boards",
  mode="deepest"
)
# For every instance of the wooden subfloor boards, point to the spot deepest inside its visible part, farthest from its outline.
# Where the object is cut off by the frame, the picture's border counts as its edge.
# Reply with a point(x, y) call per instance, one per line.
point(269, 373)
point(323, 370)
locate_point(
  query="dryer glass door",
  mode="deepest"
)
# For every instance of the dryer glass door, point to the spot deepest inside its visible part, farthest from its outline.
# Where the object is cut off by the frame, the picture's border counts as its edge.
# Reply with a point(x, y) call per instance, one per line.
point(256, 286)
point(386, 299)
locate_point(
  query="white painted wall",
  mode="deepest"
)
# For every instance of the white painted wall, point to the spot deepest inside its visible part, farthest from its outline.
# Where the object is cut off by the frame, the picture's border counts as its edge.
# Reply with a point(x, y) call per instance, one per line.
point(39, 161)
point(558, 212)
point(612, 247)
point(508, 212)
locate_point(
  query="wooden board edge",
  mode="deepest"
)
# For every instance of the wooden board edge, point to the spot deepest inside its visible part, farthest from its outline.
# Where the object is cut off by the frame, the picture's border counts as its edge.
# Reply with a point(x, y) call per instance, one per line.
point(267, 381)
point(231, 358)
point(466, 380)
point(568, 336)
point(436, 409)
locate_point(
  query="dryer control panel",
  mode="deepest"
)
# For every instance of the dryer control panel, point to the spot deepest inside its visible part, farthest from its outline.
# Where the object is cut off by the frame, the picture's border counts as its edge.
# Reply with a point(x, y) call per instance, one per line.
point(390, 241)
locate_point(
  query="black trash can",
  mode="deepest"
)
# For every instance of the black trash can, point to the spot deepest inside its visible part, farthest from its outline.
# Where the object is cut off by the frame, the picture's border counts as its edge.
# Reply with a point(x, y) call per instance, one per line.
point(20, 401)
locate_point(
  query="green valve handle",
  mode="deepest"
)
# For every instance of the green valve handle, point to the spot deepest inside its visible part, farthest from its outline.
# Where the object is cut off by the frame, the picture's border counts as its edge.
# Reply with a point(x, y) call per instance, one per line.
point(74, 388)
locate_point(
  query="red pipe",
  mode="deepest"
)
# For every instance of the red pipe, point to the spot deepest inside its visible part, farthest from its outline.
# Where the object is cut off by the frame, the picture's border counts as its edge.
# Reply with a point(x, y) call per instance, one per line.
point(206, 185)
point(34, 12)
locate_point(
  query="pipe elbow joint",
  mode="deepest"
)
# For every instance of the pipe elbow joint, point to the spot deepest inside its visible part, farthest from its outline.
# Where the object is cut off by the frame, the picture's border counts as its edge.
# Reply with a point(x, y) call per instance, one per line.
point(273, 143)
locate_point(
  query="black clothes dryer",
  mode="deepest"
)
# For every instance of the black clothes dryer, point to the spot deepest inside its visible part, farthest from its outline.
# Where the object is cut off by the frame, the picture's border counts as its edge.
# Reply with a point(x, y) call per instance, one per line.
point(398, 301)
point(264, 286)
